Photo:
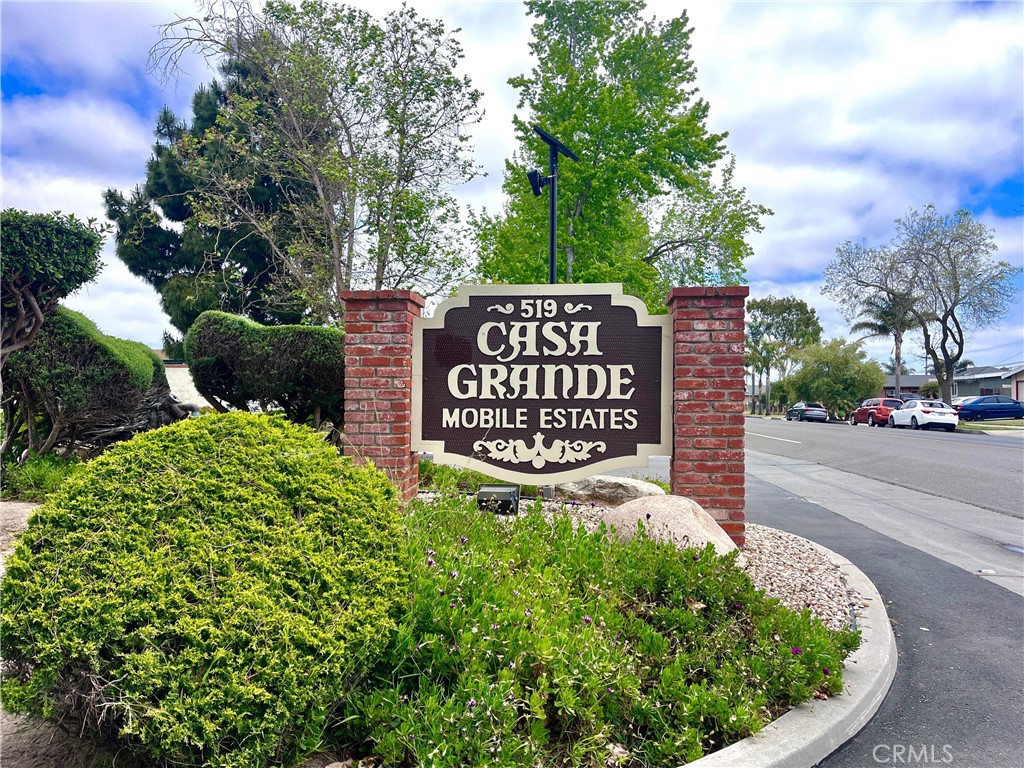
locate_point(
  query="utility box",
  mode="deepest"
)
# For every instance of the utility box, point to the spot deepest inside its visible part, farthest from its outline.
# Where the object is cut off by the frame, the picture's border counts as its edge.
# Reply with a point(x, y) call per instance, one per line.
point(499, 499)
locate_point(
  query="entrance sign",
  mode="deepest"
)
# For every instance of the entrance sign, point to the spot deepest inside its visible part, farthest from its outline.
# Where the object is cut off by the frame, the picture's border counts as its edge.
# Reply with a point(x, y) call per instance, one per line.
point(542, 384)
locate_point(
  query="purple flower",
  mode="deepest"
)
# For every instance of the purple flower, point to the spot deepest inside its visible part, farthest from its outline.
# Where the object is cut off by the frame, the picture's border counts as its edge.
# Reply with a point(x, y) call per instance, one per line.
point(527, 612)
point(453, 574)
point(610, 690)
point(431, 552)
point(647, 516)
point(451, 605)
point(430, 561)
point(463, 539)
point(472, 703)
point(515, 592)
point(827, 671)
point(587, 620)
point(455, 646)
point(796, 651)
point(738, 606)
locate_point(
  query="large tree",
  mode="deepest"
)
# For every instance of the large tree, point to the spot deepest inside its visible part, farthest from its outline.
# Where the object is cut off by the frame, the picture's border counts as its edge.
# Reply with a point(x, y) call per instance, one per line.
point(944, 265)
point(46, 256)
point(191, 266)
point(837, 374)
point(361, 124)
point(652, 201)
point(782, 328)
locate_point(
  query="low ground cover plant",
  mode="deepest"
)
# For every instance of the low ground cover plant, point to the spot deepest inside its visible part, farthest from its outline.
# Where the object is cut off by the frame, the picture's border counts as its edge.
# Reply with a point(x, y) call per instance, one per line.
point(37, 477)
point(532, 642)
point(205, 593)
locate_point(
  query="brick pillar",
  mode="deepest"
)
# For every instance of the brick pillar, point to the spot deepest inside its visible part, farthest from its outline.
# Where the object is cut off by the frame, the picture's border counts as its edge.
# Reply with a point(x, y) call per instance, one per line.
point(708, 398)
point(378, 382)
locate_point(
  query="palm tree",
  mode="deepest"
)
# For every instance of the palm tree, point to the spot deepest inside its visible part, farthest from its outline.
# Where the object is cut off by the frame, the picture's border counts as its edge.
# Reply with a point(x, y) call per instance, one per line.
point(890, 367)
point(887, 314)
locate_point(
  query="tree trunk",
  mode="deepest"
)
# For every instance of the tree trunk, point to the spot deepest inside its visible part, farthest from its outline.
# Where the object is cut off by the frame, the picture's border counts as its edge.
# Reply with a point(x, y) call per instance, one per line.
point(898, 356)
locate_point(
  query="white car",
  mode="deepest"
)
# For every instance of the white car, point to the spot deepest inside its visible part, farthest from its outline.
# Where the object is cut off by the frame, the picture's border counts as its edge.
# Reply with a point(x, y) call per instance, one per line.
point(924, 414)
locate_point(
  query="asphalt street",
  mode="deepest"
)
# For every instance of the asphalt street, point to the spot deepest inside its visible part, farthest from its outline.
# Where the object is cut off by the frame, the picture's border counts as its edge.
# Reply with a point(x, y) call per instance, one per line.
point(958, 696)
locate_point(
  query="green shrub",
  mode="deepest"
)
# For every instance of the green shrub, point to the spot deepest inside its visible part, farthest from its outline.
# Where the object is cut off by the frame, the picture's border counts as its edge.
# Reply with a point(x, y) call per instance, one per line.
point(37, 478)
point(205, 592)
point(46, 256)
point(74, 384)
point(527, 642)
point(237, 362)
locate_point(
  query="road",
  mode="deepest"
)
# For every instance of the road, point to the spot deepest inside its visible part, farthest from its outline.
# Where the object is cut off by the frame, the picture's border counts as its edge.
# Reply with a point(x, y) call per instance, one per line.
point(984, 470)
point(959, 689)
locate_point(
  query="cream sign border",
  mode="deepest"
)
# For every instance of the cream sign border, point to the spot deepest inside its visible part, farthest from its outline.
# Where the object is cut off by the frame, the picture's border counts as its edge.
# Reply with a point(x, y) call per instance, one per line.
point(644, 451)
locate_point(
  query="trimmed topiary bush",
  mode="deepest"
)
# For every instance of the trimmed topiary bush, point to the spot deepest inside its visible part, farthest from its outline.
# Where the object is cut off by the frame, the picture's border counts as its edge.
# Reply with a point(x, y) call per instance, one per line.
point(76, 385)
point(205, 592)
point(300, 369)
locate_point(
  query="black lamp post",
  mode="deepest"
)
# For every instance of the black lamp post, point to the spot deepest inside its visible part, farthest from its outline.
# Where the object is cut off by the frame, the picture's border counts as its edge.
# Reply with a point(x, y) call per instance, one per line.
point(537, 183)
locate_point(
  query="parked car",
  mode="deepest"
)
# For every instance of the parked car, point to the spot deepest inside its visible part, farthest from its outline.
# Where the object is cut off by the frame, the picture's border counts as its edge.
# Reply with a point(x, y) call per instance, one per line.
point(904, 396)
point(924, 414)
point(807, 412)
point(990, 407)
point(874, 411)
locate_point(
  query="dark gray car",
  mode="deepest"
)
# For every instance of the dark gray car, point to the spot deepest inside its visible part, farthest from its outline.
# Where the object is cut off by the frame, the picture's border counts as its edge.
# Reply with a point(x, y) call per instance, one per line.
point(807, 412)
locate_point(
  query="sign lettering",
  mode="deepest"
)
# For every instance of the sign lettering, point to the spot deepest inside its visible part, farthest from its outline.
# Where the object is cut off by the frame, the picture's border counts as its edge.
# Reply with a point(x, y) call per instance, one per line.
point(542, 384)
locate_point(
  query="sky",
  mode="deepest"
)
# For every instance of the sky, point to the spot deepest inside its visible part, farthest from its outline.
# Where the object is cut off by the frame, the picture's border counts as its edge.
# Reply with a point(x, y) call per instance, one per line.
point(842, 116)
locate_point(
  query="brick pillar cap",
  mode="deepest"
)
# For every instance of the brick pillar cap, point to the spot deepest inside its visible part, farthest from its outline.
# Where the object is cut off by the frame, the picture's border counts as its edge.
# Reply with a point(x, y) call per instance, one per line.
point(708, 290)
point(390, 295)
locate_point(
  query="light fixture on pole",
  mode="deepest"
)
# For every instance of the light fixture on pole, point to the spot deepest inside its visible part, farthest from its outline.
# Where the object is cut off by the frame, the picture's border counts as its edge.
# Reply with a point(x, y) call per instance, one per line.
point(538, 182)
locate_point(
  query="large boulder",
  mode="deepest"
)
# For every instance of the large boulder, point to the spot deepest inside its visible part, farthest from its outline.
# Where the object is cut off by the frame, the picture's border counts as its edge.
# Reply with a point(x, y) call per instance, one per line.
point(608, 489)
point(670, 518)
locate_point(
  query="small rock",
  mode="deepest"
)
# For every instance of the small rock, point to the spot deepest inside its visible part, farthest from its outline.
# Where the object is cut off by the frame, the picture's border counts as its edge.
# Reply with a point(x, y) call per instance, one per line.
point(608, 489)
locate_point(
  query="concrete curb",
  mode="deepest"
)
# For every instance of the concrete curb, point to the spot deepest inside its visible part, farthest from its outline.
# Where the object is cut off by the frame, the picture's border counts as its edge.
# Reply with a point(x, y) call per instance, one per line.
point(812, 731)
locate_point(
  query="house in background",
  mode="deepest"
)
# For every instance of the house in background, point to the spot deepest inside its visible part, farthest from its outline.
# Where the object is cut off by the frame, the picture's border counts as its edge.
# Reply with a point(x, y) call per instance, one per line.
point(909, 382)
point(988, 380)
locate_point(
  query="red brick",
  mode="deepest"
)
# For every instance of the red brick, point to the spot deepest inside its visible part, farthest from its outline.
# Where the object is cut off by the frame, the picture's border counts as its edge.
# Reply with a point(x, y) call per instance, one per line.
point(395, 327)
point(710, 442)
point(728, 312)
point(692, 337)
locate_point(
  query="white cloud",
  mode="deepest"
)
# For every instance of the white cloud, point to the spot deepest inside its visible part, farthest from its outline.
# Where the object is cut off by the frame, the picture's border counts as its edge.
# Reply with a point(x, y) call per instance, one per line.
point(77, 134)
point(843, 116)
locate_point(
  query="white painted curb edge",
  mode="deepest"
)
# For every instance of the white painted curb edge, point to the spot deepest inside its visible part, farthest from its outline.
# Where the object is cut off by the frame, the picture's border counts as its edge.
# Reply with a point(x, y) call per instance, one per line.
point(810, 732)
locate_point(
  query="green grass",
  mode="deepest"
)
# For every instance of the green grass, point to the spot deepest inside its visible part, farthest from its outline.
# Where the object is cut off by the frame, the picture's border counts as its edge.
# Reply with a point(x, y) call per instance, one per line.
point(980, 426)
point(37, 477)
point(531, 642)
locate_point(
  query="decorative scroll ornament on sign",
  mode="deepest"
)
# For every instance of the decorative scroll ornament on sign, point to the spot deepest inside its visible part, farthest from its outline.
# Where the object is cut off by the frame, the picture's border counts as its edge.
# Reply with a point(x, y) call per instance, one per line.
point(560, 452)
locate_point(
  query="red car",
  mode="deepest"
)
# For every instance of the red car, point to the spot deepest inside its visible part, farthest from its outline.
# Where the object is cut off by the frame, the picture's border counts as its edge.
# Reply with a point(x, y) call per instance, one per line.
point(875, 411)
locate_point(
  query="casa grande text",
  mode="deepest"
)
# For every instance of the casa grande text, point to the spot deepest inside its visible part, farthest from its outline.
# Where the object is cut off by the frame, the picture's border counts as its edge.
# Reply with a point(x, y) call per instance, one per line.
point(505, 380)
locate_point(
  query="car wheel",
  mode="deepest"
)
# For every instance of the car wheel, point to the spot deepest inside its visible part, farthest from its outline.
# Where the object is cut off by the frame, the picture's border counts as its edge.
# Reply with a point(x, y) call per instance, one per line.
point(892, 423)
point(871, 419)
point(979, 415)
point(913, 423)
point(788, 417)
point(800, 417)
point(853, 420)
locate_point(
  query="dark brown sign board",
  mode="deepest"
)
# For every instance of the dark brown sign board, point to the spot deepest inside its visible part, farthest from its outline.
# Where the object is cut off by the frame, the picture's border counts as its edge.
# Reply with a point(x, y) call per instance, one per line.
point(542, 384)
